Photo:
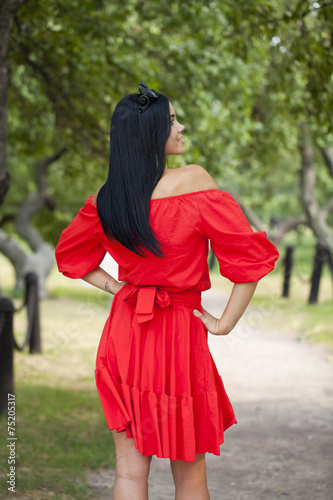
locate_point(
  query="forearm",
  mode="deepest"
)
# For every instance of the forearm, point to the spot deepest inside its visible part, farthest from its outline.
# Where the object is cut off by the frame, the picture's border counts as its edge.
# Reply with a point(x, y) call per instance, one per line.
point(101, 279)
point(240, 298)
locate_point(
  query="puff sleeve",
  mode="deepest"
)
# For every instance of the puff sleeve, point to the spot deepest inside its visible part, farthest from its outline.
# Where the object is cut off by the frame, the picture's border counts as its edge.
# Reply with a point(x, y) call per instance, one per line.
point(78, 251)
point(243, 255)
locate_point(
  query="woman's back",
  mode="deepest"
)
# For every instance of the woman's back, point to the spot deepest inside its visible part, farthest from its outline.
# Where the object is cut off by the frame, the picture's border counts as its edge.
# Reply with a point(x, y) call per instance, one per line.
point(186, 210)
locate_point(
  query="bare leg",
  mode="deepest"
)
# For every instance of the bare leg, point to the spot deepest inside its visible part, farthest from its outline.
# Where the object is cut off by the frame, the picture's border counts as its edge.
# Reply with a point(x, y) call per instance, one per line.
point(190, 479)
point(132, 469)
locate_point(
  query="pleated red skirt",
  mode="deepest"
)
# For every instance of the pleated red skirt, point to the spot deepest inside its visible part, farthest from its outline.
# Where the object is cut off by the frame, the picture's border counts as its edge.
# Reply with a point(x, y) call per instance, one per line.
point(156, 378)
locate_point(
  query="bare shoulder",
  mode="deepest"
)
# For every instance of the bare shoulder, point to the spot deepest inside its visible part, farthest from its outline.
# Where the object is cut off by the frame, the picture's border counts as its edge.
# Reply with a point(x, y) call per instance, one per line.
point(198, 178)
point(182, 180)
point(96, 194)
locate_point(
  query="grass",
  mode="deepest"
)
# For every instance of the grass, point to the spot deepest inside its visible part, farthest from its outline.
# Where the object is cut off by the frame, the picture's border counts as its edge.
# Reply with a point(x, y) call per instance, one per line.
point(60, 435)
point(61, 429)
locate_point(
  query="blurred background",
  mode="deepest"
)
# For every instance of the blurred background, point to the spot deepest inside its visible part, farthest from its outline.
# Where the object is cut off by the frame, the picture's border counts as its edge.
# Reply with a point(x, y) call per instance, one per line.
point(251, 81)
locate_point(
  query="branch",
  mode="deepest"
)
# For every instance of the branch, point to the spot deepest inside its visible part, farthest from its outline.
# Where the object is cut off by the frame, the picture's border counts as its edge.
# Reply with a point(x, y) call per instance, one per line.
point(7, 218)
point(4, 186)
point(40, 262)
point(274, 235)
point(327, 154)
point(298, 14)
point(12, 251)
point(308, 173)
point(41, 169)
point(253, 219)
point(35, 202)
point(277, 234)
point(11, 6)
point(291, 224)
point(322, 6)
point(327, 208)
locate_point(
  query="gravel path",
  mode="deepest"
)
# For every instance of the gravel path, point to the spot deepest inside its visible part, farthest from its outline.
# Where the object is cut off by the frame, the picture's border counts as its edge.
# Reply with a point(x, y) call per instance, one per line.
point(282, 393)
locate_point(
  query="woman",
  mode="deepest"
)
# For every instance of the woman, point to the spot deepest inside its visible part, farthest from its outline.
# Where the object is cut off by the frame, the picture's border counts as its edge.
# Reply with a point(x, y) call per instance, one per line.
point(158, 384)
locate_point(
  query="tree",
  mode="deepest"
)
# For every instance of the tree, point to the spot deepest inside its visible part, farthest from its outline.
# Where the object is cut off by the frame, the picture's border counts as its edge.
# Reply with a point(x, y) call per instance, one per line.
point(317, 215)
point(8, 9)
point(243, 84)
point(41, 260)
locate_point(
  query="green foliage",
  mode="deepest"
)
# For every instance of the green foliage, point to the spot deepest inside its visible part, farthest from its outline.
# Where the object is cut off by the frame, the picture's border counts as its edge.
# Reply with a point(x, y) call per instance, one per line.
point(241, 76)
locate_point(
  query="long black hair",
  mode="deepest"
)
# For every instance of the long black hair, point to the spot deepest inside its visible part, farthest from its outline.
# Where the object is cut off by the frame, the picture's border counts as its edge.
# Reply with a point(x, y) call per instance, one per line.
point(137, 162)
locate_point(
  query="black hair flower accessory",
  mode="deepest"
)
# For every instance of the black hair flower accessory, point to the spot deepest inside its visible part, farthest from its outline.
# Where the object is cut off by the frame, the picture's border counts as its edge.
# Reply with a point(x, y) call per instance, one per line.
point(146, 96)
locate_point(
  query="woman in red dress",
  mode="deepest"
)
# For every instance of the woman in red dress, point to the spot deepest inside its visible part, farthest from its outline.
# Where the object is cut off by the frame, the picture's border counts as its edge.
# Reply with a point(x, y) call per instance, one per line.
point(158, 384)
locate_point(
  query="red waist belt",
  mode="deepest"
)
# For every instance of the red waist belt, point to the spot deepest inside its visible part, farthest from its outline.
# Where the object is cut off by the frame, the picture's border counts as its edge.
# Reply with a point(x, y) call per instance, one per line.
point(145, 297)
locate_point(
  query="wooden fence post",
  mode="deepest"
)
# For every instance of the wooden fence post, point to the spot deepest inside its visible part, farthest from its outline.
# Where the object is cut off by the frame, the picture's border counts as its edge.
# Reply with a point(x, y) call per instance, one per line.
point(320, 257)
point(289, 263)
point(6, 351)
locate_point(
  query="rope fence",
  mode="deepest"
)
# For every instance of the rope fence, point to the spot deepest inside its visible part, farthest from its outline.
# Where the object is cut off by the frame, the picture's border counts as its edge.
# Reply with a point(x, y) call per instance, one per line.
point(7, 340)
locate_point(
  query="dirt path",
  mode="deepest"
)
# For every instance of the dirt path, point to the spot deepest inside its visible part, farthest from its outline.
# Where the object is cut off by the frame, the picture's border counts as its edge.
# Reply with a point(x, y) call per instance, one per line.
point(282, 393)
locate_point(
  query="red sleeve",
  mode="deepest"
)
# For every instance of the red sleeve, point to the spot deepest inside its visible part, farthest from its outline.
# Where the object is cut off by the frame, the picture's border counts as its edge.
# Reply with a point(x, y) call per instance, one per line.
point(78, 251)
point(243, 255)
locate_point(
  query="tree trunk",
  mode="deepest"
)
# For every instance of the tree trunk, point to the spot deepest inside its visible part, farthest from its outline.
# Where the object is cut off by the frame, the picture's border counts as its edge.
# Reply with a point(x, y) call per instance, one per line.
point(13, 252)
point(8, 8)
point(42, 259)
point(316, 215)
point(40, 262)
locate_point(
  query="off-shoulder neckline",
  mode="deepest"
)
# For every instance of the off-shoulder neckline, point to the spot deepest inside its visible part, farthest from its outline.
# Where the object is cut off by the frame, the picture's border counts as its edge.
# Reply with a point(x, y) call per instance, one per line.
point(186, 194)
point(175, 196)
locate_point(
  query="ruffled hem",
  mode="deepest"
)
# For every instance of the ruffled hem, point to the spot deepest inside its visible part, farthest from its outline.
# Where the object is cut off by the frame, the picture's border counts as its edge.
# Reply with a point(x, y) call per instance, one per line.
point(174, 427)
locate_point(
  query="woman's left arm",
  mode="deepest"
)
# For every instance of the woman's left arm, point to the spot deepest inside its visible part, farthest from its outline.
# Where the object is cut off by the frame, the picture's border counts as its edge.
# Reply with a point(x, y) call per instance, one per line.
point(101, 279)
point(240, 298)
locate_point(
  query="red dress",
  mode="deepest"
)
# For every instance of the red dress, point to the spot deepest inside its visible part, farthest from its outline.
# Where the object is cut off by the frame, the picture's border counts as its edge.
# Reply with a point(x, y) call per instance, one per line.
point(154, 372)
